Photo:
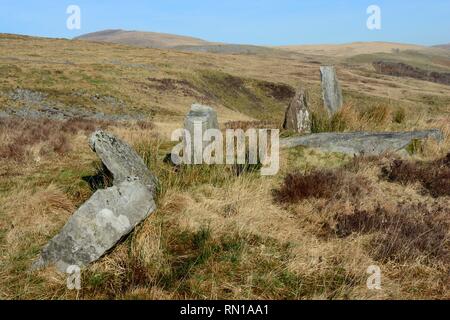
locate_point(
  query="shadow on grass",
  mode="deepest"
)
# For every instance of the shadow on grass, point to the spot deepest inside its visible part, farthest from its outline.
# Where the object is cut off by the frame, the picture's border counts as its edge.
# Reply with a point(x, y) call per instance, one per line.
point(102, 179)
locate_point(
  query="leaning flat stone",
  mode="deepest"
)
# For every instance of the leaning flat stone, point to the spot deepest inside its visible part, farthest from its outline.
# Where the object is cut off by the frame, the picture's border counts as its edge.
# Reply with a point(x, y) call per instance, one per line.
point(121, 159)
point(110, 214)
point(98, 225)
point(331, 89)
point(357, 143)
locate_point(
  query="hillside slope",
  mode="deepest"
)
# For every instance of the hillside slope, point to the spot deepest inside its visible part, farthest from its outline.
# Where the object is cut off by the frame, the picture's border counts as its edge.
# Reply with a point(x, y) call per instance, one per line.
point(443, 46)
point(220, 232)
point(351, 49)
point(176, 42)
point(118, 79)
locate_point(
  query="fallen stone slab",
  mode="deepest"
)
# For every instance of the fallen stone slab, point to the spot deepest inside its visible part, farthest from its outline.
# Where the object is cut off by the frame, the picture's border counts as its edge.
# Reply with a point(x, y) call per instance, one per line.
point(331, 89)
point(98, 225)
point(110, 214)
point(121, 160)
point(358, 143)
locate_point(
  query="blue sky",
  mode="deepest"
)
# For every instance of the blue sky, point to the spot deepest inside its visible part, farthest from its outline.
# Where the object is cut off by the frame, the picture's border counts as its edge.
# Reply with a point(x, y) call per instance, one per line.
point(260, 22)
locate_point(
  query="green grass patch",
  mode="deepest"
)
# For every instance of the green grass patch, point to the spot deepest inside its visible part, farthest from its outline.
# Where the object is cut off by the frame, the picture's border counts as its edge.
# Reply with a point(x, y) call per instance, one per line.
point(251, 97)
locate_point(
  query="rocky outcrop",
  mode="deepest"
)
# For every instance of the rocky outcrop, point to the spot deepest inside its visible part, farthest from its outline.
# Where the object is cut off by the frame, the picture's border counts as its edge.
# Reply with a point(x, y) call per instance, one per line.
point(331, 89)
point(37, 105)
point(298, 116)
point(110, 214)
point(358, 143)
point(57, 113)
point(399, 69)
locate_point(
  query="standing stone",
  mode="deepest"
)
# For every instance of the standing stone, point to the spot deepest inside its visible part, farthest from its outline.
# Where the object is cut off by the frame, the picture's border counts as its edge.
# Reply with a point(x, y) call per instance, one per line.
point(200, 118)
point(298, 117)
point(110, 214)
point(331, 89)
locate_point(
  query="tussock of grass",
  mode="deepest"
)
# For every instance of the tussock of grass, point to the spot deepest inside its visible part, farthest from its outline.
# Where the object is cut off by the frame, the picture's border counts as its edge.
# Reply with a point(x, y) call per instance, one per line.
point(245, 125)
point(403, 233)
point(326, 184)
point(434, 176)
point(19, 137)
point(350, 118)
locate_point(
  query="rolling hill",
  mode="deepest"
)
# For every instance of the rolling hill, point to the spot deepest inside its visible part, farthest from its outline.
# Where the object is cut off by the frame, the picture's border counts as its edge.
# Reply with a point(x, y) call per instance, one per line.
point(433, 58)
point(351, 49)
point(443, 46)
point(142, 39)
point(176, 42)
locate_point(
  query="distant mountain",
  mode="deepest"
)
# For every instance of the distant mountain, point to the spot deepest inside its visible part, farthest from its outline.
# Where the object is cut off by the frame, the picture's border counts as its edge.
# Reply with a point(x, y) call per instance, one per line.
point(142, 39)
point(443, 46)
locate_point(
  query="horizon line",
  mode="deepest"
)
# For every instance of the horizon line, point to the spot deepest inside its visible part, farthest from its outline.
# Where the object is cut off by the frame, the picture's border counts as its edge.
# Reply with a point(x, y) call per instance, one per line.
point(219, 42)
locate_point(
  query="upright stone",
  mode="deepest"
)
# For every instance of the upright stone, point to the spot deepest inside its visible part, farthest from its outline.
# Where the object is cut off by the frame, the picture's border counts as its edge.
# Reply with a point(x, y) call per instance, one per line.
point(199, 119)
point(298, 117)
point(331, 89)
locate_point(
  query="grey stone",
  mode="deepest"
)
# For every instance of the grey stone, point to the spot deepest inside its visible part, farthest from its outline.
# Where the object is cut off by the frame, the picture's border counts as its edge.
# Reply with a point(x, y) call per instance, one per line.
point(121, 160)
point(98, 225)
point(331, 89)
point(27, 96)
point(202, 116)
point(206, 115)
point(298, 117)
point(108, 100)
point(109, 215)
point(358, 143)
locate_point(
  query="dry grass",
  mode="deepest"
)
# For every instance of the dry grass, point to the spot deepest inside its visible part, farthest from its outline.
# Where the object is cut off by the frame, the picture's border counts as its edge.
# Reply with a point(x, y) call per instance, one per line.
point(377, 117)
point(393, 226)
point(217, 234)
point(405, 233)
point(320, 184)
point(434, 176)
point(245, 125)
point(221, 236)
point(33, 138)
